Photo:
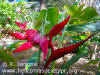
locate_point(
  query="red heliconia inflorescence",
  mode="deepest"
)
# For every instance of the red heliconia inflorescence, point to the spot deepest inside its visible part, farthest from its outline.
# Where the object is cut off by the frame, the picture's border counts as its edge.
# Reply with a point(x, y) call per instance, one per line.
point(56, 54)
point(33, 38)
point(31, 34)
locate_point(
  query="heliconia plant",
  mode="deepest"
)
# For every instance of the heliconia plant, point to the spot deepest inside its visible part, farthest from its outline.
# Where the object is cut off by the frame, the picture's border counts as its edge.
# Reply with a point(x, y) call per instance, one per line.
point(33, 38)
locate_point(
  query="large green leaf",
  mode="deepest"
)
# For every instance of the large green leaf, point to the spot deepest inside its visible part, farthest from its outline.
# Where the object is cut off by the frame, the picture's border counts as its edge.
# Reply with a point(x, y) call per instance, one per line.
point(74, 59)
point(88, 13)
point(92, 62)
point(48, 18)
point(80, 15)
point(83, 28)
point(7, 59)
point(37, 19)
point(52, 17)
point(81, 52)
point(95, 39)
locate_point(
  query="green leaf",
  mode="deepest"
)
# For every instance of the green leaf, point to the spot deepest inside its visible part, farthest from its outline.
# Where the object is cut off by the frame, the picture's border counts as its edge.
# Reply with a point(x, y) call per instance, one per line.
point(37, 19)
point(91, 62)
point(88, 13)
point(74, 59)
point(83, 28)
point(95, 39)
point(8, 59)
point(1, 47)
point(52, 18)
point(76, 3)
point(43, 13)
point(82, 37)
point(11, 46)
point(49, 18)
point(80, 15)
point(99, 67)
point(80, 53)
point(97, 73)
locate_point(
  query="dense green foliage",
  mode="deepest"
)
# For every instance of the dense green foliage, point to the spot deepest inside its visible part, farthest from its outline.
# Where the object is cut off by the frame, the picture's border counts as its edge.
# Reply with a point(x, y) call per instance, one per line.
point(11, 12)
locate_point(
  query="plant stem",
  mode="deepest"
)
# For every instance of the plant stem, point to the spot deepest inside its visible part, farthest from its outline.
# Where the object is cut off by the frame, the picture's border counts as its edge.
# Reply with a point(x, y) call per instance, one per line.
point(49, 52)
point(39, 57)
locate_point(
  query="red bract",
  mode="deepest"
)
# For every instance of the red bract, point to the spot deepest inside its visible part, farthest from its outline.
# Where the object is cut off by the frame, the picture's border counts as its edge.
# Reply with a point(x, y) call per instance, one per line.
point(24, 46)
point(20, 36)
point(57, 28)
point(62, 51)
point(22, 26)
point(30, 33)
point(44, 46)
point(37, 39)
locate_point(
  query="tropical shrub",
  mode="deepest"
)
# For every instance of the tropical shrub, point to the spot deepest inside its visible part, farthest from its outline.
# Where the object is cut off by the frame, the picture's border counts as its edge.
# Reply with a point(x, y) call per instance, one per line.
point(11, 12)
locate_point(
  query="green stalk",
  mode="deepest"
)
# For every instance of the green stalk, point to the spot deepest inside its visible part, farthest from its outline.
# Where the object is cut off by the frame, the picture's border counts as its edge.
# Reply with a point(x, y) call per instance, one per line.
point(49, 52)
point(39, 57)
